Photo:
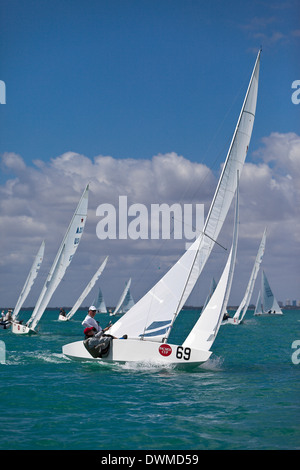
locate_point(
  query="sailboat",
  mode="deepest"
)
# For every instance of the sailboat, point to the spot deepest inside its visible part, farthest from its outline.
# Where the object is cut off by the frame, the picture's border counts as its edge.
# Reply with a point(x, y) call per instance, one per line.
point(85, 293)
point(61, 262)
point(99, 302)
point(243, 307)
point(267, 303)
point(149, 322)
point(28, 283)
point(125, 302)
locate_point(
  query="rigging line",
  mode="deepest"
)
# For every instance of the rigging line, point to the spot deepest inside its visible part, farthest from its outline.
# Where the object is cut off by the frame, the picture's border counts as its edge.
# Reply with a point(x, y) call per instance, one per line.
point(197, 235)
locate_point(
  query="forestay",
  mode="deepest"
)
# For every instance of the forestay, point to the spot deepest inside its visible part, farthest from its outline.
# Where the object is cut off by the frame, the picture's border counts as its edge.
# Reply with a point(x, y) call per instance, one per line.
point(153, 315)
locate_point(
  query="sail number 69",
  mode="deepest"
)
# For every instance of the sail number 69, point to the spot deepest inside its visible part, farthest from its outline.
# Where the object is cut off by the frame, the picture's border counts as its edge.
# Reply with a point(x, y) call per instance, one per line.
point(184, 353)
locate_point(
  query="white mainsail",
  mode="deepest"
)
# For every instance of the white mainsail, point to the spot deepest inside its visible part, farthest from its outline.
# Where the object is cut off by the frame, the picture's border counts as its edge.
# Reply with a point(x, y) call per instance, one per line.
point(243, 307)
point(99, 302)
point(153, 315)
point(30, 280)
point(62, 260)
point(87, 290)
point(206, 328)
point(122, 300)
point(269, 302)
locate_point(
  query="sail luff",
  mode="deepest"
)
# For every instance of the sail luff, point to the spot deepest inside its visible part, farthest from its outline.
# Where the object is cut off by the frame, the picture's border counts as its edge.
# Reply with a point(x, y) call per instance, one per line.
point(62, 259)
point(87, 289)
point(30, 280)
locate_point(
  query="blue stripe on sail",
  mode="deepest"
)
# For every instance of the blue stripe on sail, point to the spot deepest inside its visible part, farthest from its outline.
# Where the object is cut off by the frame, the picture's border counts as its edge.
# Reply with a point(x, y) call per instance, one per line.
point(158, 324)
point(155, 333)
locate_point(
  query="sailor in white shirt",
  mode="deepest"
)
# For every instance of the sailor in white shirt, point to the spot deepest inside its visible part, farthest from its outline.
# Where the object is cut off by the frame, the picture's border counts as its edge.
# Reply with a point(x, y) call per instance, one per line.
point(90, 322)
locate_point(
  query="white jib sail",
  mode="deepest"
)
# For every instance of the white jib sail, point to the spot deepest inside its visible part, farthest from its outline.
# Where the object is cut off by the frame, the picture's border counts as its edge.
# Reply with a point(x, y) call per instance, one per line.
point(30, 280)
point(243, 307)
point(87, 289)
point(151, 317)
point(121, 300)
point(206, 328)
point(62, 260)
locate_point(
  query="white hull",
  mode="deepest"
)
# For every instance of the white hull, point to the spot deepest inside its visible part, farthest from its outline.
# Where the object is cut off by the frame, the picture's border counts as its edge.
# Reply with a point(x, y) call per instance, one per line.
point(130, 350)
point(19, 329)
point(62, 318)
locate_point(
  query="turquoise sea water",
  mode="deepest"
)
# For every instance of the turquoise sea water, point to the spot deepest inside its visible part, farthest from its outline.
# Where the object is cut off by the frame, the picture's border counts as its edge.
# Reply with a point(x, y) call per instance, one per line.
point(245, 397)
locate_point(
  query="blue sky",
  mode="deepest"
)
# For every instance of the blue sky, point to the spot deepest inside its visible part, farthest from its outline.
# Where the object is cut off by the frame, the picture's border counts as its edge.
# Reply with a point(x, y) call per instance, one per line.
point(133, 80)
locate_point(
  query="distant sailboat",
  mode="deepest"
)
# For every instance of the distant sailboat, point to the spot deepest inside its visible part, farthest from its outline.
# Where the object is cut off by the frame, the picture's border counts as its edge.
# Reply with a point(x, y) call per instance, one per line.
point(29, 281)
point(149, 322)
point(268, 303)
point(85, 292)
point(61, 262)
point(99, 302)
point(243, 307)
point(125, 302)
